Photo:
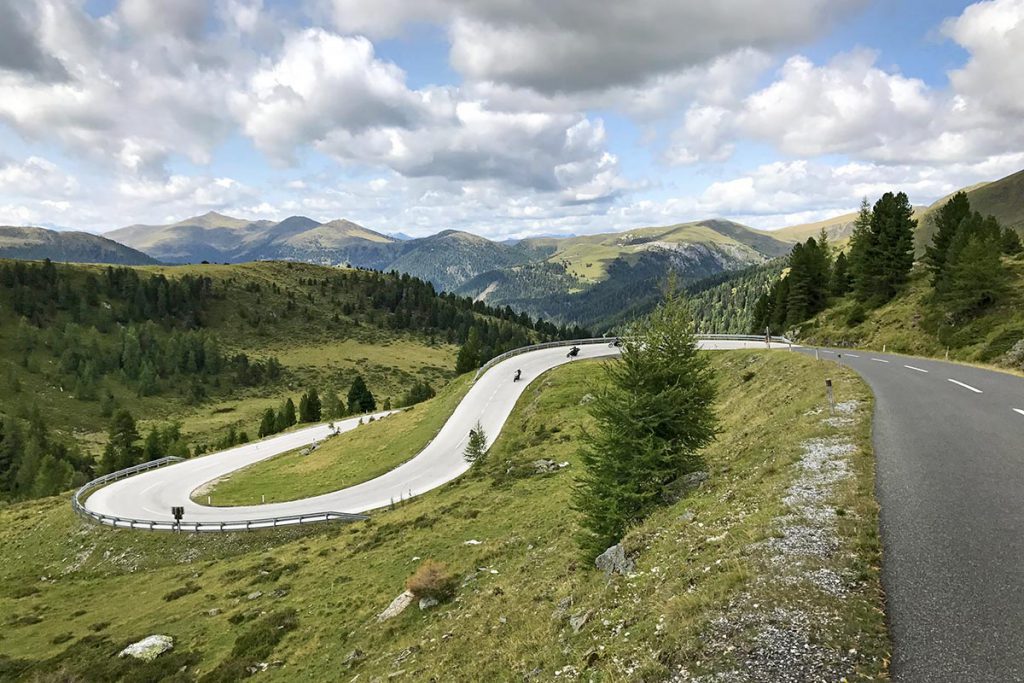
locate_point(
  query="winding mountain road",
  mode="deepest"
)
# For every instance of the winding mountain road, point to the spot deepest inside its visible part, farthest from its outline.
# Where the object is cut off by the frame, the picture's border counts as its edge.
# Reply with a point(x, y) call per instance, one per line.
point(949, 445)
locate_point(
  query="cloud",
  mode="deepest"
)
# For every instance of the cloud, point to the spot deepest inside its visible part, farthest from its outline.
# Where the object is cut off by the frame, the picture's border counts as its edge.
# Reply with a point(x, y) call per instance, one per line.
point(35, 177)
point(331, 92)
point(571, 46)
point(20, 48)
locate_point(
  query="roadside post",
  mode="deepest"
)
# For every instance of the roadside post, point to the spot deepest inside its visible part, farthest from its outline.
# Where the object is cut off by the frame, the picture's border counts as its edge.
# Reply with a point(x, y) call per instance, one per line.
point(831, 396)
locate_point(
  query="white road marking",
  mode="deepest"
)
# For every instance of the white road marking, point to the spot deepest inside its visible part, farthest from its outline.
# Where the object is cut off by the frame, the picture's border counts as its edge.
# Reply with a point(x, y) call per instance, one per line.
point(966, 386)
point(1018, 410)
point(911, 367)
point(879, 360)
point(826, 351)
point(853, 355)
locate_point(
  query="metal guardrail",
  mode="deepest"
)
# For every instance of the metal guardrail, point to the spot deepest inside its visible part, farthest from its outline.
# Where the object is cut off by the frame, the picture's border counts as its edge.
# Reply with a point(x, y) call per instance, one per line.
point(196, 527)
point(605, 340)
point(274, 522)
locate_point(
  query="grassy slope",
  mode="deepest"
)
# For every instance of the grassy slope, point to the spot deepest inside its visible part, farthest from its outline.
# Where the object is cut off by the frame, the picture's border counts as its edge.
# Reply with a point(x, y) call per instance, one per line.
point(505, 622)
point(344, 460)
point(315, 352)
point(901, 325)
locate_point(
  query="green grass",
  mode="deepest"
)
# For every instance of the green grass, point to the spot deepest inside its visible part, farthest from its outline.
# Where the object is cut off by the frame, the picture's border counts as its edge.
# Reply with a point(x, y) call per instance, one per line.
point(60, 575)
point(345, 460)
point(903, 325)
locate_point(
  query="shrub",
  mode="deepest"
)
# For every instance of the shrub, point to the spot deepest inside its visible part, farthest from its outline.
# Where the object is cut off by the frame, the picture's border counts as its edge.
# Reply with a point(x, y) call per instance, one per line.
point(182, 591)
point(856, 316)
point(432, 580)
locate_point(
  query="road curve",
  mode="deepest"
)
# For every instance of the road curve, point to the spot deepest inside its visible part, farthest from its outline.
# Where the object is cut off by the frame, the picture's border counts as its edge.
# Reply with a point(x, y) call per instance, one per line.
point(949, 447)
point(149, 496)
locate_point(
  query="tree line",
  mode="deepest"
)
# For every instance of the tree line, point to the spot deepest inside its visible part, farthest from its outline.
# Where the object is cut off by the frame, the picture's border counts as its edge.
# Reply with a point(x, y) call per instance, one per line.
point(964, 259)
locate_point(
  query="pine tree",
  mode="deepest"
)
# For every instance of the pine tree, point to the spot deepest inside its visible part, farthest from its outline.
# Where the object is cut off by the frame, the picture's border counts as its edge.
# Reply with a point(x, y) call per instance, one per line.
point(476, 446)
point(974, 277)
point(333, 407)
point(122, 448)
point(947, 220)
point(268, 425)
point(860, 243)
point(153, 447)
point(314, 408)
point(387, 404)
point(654, 414)
point(469, 355)
point(304, 408)
point(840, 283)
point(1010, 242)
point(286, 415)
point(54, 476)
point(885, 261)
point(360, 400)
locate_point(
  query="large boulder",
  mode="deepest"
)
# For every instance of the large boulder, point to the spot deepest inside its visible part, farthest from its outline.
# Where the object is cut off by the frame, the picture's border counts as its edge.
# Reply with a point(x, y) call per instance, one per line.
point(615, 561)
point(149, 648)
point(1015, 356)
point(397, 606)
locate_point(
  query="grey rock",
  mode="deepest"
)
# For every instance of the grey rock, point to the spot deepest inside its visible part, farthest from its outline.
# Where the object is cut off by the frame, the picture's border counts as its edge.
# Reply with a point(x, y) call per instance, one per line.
point(255, 595)
point(587, 398)
point(687, 516)
point(544, 465)
point(427, 603)
point(578, 621)
point(353, 658)
point(149, 648)
point(615, 561)
point(213, 612)
point(397, 606)
point(1016, 355)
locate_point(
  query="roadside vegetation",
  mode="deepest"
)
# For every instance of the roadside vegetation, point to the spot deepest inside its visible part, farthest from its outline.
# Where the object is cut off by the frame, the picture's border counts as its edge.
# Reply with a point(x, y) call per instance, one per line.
point(767, 565)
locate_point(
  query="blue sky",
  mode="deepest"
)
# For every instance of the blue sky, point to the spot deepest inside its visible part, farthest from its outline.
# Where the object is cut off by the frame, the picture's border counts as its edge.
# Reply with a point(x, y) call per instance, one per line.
point(505, 120)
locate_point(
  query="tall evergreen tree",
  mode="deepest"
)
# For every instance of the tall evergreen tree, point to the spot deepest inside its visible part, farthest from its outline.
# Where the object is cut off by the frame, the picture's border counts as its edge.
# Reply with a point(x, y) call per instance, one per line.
point(286, 415)
point(654, 414)
point(840, 283)
point(360, 400)
point(310, 408)
point(1010, 242)
point(947, 220)
point(53, 477)
point(122, 448)
point(469, 355)
point(476, 446)
point(860, 243)
point(333, 407)
point(889, 254)
point(974, 276)
point(268, 425)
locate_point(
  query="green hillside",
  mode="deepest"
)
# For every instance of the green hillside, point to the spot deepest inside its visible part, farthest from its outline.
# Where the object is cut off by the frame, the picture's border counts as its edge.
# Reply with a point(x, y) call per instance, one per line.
point(211, 348)
point(66, 246)
point(302, 604)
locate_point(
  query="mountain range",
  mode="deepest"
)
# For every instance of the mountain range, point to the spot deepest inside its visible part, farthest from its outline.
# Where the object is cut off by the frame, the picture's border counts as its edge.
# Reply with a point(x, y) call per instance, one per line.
point(70, 246)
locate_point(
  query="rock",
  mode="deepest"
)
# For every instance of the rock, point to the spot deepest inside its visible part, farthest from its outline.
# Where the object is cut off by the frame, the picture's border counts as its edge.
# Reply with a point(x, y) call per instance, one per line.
point(354, 658)
point(213, 612)
point(397, 606)
point(255, 595)
point(578, 621)
point(427, 603)
point(687, 516)
point(590, 659)
point(149, 648)
point(544, 465)
point(257, 667)
point(615, 561)
point(563, 606)
point(587, 398)
point(472, 541)
point(1016, 355)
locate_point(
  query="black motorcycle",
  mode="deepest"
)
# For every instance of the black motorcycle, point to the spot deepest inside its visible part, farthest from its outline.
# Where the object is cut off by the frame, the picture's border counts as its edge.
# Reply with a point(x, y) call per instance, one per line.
point(519, 373)
point(573, 352)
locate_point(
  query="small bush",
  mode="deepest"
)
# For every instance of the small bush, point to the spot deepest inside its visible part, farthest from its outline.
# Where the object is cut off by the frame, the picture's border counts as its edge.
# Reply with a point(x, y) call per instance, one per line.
point(182, 591)
point(856, 316)
point(432, 580)
point(748, 375)
point(61, 638)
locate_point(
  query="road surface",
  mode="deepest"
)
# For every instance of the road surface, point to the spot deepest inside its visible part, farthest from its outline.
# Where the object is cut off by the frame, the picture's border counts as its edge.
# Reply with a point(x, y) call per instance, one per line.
point(150, 495)
point(949, 444)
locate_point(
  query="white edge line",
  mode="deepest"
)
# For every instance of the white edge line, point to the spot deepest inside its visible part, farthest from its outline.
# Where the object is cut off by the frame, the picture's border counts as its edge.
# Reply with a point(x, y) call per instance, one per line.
point(911, 367)
point(879, 360)
point(966, 386)
point(1018, 410)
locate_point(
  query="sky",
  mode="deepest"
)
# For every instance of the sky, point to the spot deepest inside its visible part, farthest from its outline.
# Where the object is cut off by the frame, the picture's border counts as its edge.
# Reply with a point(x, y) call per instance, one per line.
point(506, 119)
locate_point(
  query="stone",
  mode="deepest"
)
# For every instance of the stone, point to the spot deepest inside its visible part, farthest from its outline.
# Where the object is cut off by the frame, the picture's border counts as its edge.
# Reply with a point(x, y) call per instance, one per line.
point(427, 603)
point(255, 595)
point(544, 465)
point(397, 606)
point(688, 516)
point(149, 648)
point(1016, 355)
point(472, 541)
point(615, 561)
point(213, 612)
point(353, 658)
point(587, 398)
point(683, 485)
point(578, 621)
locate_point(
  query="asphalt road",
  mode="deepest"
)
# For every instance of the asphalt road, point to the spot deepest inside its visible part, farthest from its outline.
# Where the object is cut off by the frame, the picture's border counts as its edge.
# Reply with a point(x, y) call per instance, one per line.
point(150, 495)
point(949, 443)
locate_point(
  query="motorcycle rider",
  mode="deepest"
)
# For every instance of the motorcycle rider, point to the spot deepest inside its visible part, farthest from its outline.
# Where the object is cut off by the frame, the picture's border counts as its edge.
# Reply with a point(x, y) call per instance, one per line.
point(519, 374)
point(573, 352)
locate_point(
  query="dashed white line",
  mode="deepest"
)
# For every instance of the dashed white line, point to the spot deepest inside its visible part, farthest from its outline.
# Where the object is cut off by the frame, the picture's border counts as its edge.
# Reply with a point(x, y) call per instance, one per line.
point(879, 360)
point(853, 355)
point(911, 367)
point(1018, 410)
point(966, 386)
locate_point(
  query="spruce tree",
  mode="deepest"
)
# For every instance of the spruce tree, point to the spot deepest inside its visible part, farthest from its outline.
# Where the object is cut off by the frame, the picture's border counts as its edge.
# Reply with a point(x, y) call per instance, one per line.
point(360, 400)
point(469, 355)
point(974, 277)
point(333, 407)
point(314, 408)
point(122, 448)
point(268, 425)
point(860, 243)
point(286, 415)
point(888, 255)
point(53, 477)
point(840, 283)
point(1010, 242)
point(946, 221)
point(653, 415)
point(477, 444)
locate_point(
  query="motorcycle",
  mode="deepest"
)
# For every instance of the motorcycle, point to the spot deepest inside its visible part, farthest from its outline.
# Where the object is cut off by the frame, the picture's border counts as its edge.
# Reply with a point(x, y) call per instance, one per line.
point(518, 374)
point(573, 352)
